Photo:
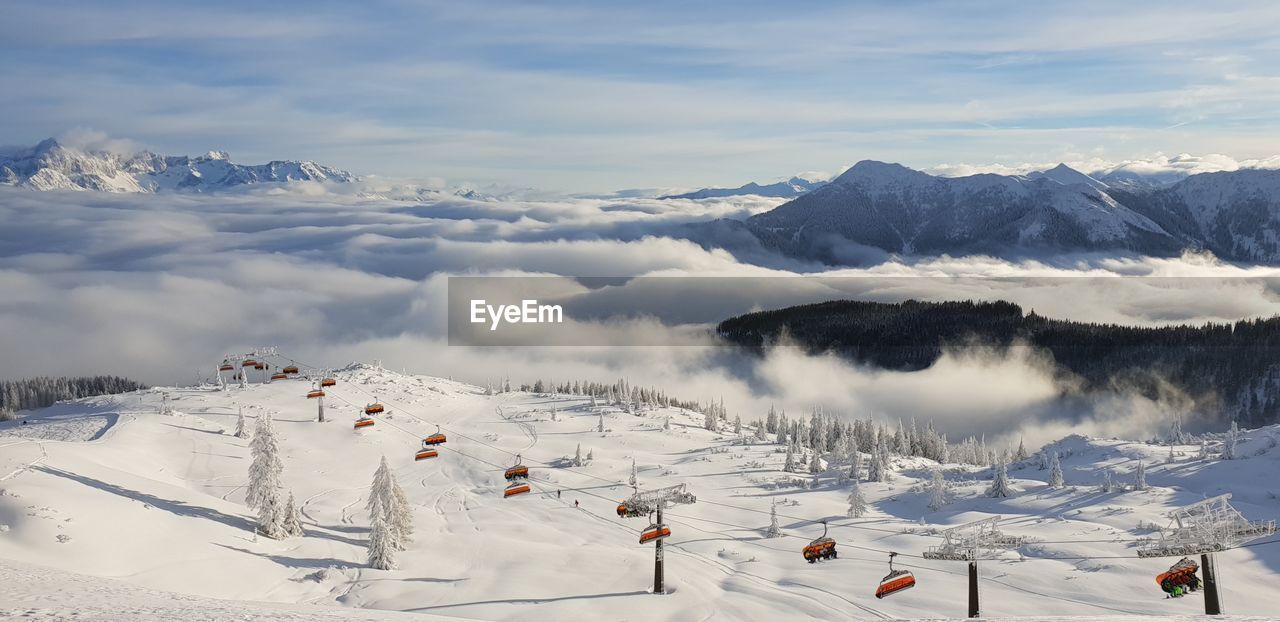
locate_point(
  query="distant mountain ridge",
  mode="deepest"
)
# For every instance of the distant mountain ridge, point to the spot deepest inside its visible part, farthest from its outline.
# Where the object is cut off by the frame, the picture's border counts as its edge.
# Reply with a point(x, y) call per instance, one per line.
point(893, 209)
point(793, 187)
point(53, 166)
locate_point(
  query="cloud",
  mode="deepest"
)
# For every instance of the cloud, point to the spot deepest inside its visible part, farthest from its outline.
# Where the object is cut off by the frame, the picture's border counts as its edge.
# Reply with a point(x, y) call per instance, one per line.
point(161, 287)
point(583, 99)
point(85, 139)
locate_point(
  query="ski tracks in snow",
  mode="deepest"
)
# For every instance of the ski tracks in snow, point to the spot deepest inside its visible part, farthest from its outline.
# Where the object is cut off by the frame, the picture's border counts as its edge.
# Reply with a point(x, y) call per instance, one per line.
point(44, 455)
point(306, 503)
point(347, 519)
point(527, 428)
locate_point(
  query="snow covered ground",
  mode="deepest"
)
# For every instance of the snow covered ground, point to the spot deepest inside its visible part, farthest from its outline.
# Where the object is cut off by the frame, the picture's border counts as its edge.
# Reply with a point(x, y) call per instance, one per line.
point(110, 510)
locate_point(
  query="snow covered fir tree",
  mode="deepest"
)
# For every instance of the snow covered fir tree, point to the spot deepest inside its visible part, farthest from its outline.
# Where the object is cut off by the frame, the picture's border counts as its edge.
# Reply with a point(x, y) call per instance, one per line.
point(774, 531)
point(937, 491)
point(242, 430)
point(263, 490)
point(999, 481)
point(387, 501)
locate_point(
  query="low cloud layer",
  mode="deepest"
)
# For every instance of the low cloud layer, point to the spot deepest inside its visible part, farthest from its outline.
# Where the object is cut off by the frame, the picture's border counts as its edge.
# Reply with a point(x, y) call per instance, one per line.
point(161, 287)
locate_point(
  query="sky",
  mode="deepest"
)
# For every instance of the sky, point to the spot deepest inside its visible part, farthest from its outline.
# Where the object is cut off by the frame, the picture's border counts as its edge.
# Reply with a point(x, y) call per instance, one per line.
point(598, 96)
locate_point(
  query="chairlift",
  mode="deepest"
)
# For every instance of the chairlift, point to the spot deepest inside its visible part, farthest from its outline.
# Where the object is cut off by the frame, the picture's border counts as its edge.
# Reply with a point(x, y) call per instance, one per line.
point(654, 532)
point(519, 471)
point(895, 581)
point(435, 439)
point(626, 511)
point(821, 548)
point(1180, 579)
point(373, 408)
point(517, 488)
point(364, 422)
point(328, 382)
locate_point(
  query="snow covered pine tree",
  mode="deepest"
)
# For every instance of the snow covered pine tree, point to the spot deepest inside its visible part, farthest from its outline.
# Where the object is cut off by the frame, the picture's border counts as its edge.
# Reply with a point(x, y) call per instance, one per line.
point(263, 491)
point(381, 551)
point(857, 504)
point(937, 491)
point(1055, 472)
point(999, 481)
point(774, 531)
point(387, 499)
point(292, 523)
point(241, 430)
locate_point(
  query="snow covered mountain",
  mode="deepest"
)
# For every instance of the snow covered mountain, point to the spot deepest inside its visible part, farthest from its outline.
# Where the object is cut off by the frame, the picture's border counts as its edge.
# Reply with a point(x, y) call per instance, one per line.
point(1234, 214)
point(900, 210)
point(793, 187)
point(894, 209)
point(110, 509)
point(53, 166)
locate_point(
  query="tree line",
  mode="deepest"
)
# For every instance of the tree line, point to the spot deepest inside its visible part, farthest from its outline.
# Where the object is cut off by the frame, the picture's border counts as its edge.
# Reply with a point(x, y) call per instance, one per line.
point(42, 391)
point(1226, 372)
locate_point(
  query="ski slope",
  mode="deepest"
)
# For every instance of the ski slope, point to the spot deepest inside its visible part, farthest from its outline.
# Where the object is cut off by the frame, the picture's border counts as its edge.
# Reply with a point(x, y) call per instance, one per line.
point(135, 505)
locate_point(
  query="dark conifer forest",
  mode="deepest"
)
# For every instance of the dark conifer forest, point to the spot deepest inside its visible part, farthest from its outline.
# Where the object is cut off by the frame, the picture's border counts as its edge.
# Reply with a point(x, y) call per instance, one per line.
point(1230, 371)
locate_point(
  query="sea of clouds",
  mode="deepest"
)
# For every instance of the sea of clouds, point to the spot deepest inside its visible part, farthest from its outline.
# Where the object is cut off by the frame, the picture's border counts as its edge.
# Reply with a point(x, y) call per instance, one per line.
point(160, 287)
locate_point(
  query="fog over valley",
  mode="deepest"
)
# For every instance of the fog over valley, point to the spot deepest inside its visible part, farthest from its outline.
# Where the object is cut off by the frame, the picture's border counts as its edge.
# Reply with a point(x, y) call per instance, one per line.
point(166, 283)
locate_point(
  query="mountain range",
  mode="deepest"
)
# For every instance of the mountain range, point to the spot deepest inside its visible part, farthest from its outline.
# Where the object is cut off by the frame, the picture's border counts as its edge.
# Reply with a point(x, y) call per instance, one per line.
point(870, 210)
point(787, 189)
point(53, 166)
point(1130, 176)
point(888, 208)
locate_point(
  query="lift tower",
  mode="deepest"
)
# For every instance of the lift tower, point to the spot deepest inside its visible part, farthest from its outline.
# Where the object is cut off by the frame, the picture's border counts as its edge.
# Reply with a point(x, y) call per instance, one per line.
point(647, 502)
point(971, 542)
point(1202, 529)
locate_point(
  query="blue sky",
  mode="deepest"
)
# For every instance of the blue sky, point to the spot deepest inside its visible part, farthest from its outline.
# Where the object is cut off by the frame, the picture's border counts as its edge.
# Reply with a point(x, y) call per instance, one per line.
point(593, 96)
